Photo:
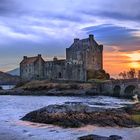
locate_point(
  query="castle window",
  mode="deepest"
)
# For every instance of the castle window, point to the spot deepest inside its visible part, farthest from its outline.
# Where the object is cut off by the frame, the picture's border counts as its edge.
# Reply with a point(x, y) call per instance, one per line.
point(60, 75)
point(93, 59)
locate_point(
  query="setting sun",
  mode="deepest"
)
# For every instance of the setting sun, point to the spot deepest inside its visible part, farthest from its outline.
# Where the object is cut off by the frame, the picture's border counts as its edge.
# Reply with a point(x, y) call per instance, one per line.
point(134, 56)
point(135, 59)
point(134, 65)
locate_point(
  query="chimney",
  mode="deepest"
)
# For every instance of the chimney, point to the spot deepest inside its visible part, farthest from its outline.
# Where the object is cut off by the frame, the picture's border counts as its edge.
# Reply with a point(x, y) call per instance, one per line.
point(24, 57)
point(76, 39)
point(39, 55)
point(91, 36)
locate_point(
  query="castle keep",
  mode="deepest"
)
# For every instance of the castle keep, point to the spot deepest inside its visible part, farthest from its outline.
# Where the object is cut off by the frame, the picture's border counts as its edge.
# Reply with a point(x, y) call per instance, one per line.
point(83, 58)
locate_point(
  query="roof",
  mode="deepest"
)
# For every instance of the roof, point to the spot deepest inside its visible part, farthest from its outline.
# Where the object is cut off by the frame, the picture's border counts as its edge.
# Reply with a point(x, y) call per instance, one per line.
point(57, 61)
point(29, 60)
point(80, 43)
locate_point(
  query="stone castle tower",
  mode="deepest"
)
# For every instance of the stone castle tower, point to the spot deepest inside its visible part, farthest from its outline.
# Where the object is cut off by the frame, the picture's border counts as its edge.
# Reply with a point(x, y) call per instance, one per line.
point(86, 52)
point(83, 58)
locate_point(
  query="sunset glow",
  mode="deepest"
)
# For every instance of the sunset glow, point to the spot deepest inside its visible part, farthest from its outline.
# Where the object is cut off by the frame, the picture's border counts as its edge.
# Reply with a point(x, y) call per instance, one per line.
point(135, 56)
point(135, 65)
point(116, 62)
point(135, 60)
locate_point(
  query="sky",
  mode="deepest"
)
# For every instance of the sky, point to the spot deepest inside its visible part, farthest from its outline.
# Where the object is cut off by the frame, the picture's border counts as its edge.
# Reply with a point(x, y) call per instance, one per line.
point(48, 27)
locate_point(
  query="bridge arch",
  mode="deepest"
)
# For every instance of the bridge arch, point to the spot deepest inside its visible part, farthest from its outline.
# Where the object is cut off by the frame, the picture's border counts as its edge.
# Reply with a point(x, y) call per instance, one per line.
point(117, 91)
point(129, 90)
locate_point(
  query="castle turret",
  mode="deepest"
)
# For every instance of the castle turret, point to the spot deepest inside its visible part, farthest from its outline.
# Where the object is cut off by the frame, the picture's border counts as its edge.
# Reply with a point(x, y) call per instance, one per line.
point(91, 36)
point(39, 55)
point(76, 40)
point(24, 57)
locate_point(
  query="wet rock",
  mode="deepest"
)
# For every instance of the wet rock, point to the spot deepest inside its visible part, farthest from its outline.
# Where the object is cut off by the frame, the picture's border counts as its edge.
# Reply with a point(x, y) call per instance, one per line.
point(78, 114)
point(115, 137)
point(133, 108)
point(96, 137)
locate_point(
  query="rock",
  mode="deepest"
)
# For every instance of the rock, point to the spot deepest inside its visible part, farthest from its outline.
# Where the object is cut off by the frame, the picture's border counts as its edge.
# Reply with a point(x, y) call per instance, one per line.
point(78, 114)
point(133, 108)
point(115, 137)
point(96, 137)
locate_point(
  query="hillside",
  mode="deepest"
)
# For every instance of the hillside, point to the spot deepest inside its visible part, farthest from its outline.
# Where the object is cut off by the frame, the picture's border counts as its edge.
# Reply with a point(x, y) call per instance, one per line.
point(8, 79)
point(14, 72)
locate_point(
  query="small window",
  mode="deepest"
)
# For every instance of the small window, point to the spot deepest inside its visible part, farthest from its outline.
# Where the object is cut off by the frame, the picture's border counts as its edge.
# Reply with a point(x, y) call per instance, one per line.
point(93, 59)
point(60, 75)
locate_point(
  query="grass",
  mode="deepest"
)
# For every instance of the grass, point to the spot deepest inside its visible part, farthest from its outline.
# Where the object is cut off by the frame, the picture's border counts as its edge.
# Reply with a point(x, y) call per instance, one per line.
point(45, 85)
point(136, 117)
point(98, 80)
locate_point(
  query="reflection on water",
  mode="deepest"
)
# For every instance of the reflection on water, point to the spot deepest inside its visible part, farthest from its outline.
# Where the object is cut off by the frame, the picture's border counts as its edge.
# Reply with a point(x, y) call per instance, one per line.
point(12, 108)
point(6, 87)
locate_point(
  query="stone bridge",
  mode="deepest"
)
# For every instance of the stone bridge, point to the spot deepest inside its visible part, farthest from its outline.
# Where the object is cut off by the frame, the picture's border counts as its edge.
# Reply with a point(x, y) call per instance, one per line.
point(122, 88)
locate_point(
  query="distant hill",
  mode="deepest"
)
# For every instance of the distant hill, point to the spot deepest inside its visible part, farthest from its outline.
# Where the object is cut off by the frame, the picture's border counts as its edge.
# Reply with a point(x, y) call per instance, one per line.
point(14, 72)
point(6, 78)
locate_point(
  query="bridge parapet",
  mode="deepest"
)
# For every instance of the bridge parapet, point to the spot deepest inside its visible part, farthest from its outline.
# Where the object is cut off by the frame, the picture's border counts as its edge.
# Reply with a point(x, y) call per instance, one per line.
point(126, 87)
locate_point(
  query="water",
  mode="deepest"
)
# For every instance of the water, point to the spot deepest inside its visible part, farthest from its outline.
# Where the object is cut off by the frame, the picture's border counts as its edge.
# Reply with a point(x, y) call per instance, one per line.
point(12, 108)
point(6, 87)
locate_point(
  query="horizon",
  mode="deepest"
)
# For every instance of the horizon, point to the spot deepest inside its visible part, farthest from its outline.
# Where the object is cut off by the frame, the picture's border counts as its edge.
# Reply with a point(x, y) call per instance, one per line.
point(48, 28)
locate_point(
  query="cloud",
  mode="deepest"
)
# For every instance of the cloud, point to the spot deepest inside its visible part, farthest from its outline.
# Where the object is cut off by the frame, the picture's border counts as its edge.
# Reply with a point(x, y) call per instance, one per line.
point(113, 15)
point(9, 7)
point(48, 27)
point(113, 35)
point(120, 10)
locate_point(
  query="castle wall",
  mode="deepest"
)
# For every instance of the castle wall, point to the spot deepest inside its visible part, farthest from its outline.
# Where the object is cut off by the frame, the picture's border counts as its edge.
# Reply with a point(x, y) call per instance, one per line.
point(39, 69)
point(87, 53)
point(55, 70)
point(27, 72)
point(34, 70)
point(63, 70)
point(75, 72)
point(83, 58)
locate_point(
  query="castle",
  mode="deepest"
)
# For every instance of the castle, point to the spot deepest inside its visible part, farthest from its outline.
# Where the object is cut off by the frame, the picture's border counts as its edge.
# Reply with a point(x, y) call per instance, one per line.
point(83, 58)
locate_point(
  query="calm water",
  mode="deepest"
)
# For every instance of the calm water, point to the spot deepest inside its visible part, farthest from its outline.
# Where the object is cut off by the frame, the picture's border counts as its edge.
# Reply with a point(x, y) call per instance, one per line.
point(12, 108)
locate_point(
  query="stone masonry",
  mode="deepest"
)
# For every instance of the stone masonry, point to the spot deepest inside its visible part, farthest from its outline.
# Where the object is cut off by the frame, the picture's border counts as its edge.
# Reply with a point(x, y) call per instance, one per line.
point(83, 57)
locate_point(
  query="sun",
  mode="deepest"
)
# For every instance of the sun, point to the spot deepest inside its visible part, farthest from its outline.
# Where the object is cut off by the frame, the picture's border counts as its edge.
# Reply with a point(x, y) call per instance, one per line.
point(135, 56)
point(135, 65)
point(135, 60)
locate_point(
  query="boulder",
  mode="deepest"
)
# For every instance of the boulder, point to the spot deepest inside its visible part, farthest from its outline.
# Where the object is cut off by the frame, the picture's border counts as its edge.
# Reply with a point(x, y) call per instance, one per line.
point(133, 108)
point(78, 114)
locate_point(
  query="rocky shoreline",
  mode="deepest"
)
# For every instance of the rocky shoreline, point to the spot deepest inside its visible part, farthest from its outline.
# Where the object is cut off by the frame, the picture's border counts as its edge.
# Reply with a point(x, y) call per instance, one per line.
point(47, 88)
point(52, 92)
point(78, 114)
